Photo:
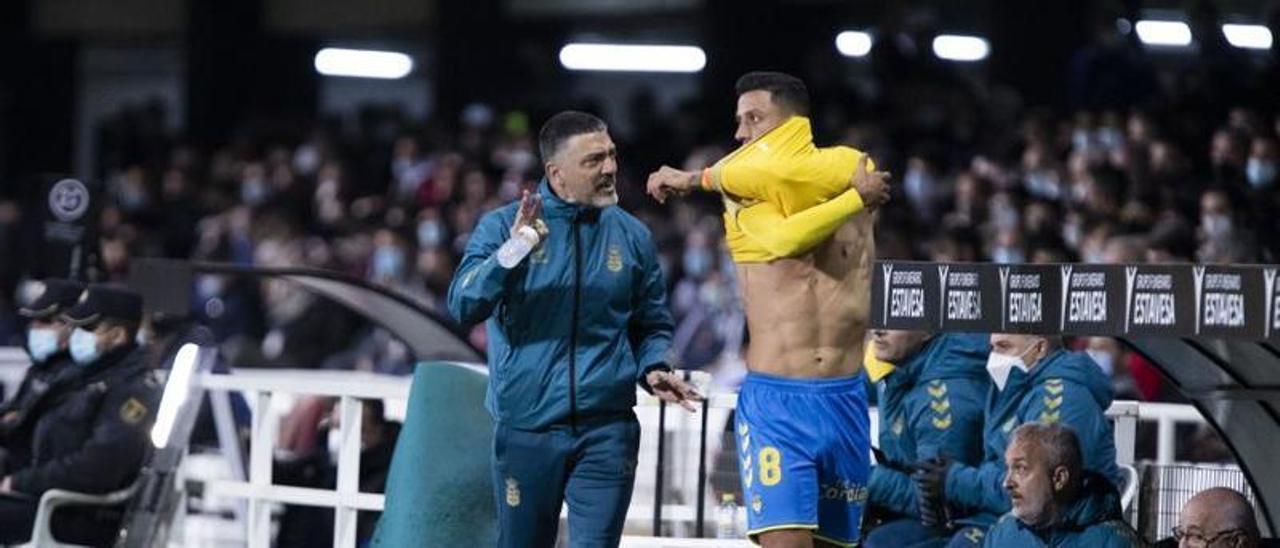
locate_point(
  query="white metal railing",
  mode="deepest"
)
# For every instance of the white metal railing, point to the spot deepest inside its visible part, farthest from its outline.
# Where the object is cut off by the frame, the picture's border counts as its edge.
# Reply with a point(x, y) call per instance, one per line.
point(1167, 417)
point(260, 387)
point(265, 388)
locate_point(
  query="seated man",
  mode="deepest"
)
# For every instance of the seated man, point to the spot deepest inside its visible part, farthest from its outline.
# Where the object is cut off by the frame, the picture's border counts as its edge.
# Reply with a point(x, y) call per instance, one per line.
point(1055, 502)
point(1033, 380)
point(92, 435)
point(1218, 517)
point(47, 338)
point(931, 392)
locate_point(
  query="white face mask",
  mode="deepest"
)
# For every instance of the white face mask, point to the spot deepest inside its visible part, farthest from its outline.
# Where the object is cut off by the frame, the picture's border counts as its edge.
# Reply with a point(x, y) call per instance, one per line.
point(84, 346)
point(1105, 360)
point(42, 342)
point(999, 366)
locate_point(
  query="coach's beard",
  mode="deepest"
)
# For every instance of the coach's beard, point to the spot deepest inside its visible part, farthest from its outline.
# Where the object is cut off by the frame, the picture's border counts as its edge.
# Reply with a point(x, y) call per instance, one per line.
point(605, 192)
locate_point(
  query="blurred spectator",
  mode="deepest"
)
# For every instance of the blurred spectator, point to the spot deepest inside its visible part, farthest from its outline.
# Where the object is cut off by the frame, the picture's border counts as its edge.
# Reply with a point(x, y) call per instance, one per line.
point(1110, 357)
point(306, 526)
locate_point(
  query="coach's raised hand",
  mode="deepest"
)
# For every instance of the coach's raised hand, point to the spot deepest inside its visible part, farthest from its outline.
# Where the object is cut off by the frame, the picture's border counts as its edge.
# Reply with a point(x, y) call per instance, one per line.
point(530, 214)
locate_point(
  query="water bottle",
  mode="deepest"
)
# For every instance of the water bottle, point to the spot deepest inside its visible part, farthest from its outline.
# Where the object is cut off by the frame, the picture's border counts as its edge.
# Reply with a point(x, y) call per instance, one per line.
point(727, 517)
point(516, 248)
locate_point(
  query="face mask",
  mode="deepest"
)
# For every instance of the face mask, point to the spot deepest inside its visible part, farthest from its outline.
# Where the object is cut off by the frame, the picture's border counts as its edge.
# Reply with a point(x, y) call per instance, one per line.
point(334, 443)
point(1007, 255)
point(1261, 173)
point(132, 199)
point(1080, 140)
point(711, 294)
point(208, 287)
point(1110, 138)
point(1005, 216)
point(42, 343)
point(1216, 225)
point(430, 233)
point(918, 185)
point(1105, 361)
point(1071, 234)
point(999, 366)
point(1043, 183)
point(697, 262)
point(306, 160)
point(253, 191)
point(388, 263)
point(84, 346)
point(521, 160)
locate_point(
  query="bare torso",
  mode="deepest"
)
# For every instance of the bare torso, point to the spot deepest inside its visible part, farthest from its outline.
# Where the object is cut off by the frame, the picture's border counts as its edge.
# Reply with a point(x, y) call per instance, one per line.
point(808, 315)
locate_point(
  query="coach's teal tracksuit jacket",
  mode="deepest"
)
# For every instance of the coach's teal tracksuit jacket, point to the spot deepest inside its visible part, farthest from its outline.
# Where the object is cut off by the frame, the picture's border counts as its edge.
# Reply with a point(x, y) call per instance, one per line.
point(930, 405)
point(1094, 520)
point(575, 325)
point(1066, 388)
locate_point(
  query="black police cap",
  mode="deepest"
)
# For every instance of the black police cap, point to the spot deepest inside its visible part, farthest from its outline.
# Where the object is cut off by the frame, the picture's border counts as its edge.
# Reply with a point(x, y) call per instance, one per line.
point(56, 296)
point(101, 302)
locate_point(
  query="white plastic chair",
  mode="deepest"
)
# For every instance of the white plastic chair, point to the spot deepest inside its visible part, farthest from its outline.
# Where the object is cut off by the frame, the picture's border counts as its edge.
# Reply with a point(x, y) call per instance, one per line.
point(42, 531)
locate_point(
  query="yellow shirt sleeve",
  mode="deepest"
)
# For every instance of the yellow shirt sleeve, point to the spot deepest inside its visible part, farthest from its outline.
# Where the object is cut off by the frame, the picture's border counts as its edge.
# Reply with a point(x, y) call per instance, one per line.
point(786, 236)
point(783, 167)
point(782, 194)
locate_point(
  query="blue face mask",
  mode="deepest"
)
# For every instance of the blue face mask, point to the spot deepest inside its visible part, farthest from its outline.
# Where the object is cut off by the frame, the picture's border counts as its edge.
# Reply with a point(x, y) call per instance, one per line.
point(84, 346)
point(388, 263)
point(697, 262)
point(1261, 173)
point(42, 342)
point(430, 233)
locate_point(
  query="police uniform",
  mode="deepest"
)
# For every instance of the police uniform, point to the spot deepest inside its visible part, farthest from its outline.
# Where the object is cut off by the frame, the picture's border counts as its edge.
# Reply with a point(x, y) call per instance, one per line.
point(56, 297)
point(90, 431)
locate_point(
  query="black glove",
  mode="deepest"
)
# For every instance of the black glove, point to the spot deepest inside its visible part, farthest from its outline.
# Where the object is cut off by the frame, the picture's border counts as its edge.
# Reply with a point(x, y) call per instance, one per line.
point(930, 479)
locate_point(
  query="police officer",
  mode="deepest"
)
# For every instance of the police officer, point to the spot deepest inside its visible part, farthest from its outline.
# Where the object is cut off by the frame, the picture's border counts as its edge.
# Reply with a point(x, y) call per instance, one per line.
point(47, 339)
point(91, 434)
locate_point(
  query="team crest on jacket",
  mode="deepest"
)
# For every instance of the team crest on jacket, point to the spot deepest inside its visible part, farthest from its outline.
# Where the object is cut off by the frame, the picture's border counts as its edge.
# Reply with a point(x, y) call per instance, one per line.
point(133, 411)
point(614, 261)
point(539, 255)
point(513, 493)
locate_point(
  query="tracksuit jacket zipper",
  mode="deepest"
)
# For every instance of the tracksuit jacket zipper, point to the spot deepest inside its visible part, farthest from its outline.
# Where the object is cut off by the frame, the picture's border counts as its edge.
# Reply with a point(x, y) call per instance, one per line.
point(573, 329)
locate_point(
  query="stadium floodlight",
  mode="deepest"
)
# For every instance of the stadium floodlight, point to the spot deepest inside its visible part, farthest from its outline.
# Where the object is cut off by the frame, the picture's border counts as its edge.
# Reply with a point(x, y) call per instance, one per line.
point(853, 43)
point(633, 58)
point(363, 63)
point(1163, 33)
point(176, 390)
point(1247, 36)
point(955, 47)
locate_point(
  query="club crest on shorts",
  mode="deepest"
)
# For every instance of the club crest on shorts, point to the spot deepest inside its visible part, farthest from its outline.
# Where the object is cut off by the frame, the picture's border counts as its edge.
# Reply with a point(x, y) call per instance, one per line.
point(513, 492)
point(614, 260)
point(756, 504)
